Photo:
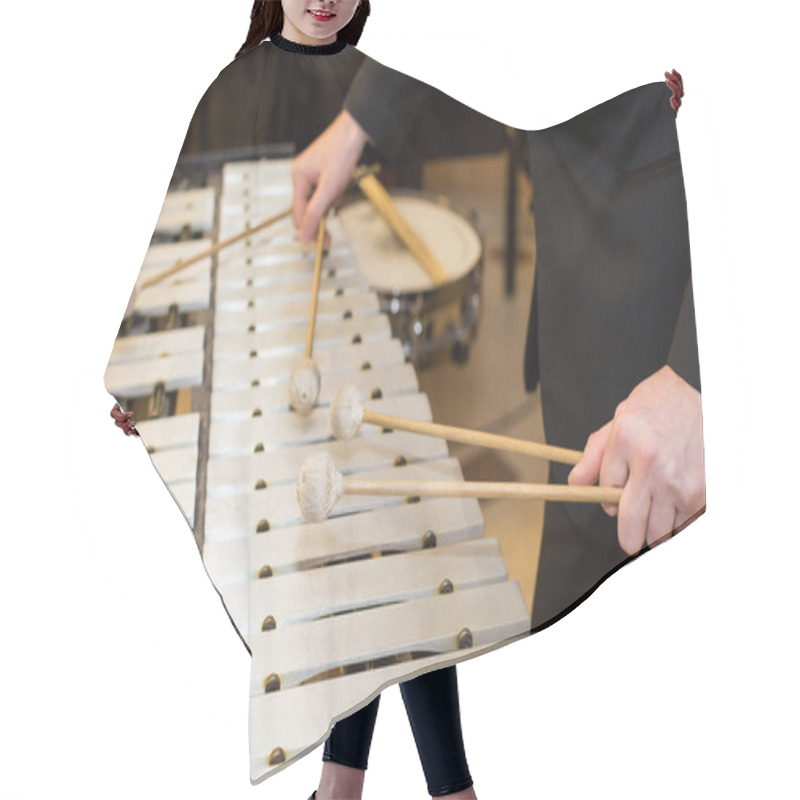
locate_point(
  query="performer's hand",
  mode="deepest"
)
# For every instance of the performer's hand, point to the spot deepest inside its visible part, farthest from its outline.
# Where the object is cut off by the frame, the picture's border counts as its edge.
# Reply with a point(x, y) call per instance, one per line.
point(654, 449)
point(675, 83)
point(321, 172)
point(124, 420)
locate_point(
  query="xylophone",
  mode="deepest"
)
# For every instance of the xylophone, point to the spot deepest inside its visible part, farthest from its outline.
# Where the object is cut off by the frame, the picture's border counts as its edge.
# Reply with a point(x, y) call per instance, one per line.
point(332, 611)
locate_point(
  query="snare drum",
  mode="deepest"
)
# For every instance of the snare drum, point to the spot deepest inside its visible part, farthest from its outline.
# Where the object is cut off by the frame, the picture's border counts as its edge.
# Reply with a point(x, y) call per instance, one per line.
point(431, 321)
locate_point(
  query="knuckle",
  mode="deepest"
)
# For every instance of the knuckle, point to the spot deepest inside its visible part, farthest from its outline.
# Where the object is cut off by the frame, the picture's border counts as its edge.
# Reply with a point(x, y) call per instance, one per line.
point(623, 432)
point(672, 477)
point(691, 494)
point(647, 453)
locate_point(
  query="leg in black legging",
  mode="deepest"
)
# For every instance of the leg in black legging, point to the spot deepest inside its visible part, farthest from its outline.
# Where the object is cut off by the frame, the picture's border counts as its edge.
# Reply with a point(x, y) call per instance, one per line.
point(432, 706)
point(351, 738)
point(433, 711)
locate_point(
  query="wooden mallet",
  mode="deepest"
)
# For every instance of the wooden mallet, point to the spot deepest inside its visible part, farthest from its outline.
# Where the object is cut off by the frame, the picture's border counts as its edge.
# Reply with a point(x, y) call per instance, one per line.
point(304, 382)
point(214, 249)
point(321, 485)
point(382, 201)
point(348, 414)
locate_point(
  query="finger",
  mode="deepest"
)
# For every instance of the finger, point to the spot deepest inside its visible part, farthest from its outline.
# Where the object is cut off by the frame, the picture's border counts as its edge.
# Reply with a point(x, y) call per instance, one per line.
point(614, 468)
point(317, 206)
point(661, 521)
point(675, 82)
point(309, 224)
point(302, 187)
point(587, 471)
point(634, 510)
point(120, 416)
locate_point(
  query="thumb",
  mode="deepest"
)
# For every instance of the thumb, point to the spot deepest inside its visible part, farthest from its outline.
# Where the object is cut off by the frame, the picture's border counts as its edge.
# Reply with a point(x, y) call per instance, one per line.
point(587, 471)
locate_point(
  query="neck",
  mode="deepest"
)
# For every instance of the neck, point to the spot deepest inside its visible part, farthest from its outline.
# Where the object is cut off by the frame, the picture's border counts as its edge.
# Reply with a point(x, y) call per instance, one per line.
point(297, 36)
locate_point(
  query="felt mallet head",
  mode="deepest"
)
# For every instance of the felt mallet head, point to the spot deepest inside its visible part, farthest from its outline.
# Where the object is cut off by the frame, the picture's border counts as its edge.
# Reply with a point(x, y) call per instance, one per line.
point(319, 487)
point(347, 411)
point(304, 384)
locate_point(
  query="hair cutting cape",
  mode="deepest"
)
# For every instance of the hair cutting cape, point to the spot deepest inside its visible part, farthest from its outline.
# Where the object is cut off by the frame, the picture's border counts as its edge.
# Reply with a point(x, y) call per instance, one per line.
point(391, 585)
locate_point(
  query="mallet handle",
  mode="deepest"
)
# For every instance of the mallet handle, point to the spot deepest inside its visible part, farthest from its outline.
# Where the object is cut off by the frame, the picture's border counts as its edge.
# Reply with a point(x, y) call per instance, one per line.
point(383, 203)
point(186, 262)
point(486, 489)
point(495, 441)
point(312, 314)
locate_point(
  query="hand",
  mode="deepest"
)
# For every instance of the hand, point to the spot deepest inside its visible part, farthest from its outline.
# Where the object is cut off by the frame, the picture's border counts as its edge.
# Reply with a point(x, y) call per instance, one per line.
point(675, 83)
point(124, 420)
point(654, 449)
point(324, 168)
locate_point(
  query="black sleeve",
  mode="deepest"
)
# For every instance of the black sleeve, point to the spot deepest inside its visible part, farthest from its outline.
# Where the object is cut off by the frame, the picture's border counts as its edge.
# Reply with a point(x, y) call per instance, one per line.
point(385, 103)
point(683, 352)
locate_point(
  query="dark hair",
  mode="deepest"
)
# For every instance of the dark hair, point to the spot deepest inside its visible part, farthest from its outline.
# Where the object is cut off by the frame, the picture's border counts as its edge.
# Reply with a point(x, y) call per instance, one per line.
point(266, 19)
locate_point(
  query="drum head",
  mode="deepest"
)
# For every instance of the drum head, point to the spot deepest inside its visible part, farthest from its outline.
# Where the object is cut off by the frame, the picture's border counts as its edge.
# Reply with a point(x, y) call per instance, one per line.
point(385, 260)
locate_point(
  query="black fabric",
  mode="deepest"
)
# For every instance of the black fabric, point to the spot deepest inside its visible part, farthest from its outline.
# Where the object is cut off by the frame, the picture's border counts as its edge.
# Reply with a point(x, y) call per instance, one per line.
point(308, 49)
point(431, 702)
point(407, 119)
point(683, 353)
point(255, 99)
point(612, 300)
point(351, 737)
point(612, 288)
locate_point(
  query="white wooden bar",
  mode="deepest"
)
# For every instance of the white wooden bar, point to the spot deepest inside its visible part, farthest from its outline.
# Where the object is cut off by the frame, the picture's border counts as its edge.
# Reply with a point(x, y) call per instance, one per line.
point(164, 254)
point(185, 494)
point(339, 360)
point(128, 349)
point(436, 521)
point(240, 474)
point(272, 431)
point(292, 338)
point(357, 585)
point(228, 516)
point(296, 312)
point(170, 432)
point(193, 207)
point(372, 383)
point(137, 378)
point(176, 465)
point(297, 653)
point(235, 299)
point(187, 295)
point(289, 261)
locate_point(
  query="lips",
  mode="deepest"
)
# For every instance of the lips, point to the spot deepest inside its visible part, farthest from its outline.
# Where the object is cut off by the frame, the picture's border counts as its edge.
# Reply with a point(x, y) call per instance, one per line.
point(322, 16)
